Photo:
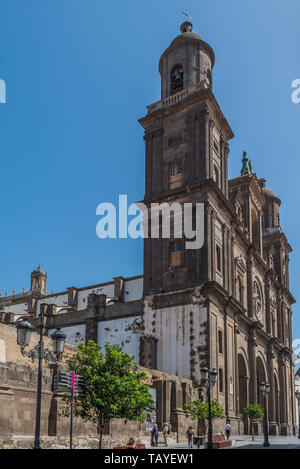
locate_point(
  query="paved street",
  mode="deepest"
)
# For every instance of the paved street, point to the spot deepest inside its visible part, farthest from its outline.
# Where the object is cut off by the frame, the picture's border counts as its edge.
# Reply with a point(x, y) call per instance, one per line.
point(245, 442)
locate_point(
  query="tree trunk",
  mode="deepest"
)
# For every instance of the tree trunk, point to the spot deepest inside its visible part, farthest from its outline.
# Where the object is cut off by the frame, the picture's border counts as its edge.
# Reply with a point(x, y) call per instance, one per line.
point(252, 431)
point(100, 436)
point(101, 424)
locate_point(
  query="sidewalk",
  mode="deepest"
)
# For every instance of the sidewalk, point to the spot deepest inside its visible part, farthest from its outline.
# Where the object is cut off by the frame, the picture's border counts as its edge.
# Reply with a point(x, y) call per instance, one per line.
point(245, 442)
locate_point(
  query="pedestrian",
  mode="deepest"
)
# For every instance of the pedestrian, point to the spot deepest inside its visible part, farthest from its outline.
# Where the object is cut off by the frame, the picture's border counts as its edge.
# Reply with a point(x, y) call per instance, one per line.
point(227, 430)
point(152, 436)
point(155, 434)
point(190, 436)
point(165, 432)
point(131, 443)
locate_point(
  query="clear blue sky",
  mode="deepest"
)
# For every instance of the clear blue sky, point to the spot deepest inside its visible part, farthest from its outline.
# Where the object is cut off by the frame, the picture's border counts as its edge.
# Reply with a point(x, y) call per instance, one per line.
point(79, 74)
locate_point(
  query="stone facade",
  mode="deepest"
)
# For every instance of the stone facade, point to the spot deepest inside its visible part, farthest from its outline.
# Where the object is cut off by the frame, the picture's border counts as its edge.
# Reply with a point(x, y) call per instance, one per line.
point(226, 305)
point(18, 378)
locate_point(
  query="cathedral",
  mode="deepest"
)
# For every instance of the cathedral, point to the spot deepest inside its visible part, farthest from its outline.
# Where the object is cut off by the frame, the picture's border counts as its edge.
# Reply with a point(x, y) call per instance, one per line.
point(227, 305)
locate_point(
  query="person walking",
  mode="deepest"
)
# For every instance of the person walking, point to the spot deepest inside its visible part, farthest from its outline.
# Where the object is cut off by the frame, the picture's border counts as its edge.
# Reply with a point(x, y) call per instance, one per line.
point(165, 432)
point(227, 430)
point(155, 434)
point(190, 436)
point(152, 436)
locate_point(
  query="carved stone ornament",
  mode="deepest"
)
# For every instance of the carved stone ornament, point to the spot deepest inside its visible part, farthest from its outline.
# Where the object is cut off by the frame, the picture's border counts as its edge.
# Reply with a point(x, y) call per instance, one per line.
point(198, 298)
point(257, 301)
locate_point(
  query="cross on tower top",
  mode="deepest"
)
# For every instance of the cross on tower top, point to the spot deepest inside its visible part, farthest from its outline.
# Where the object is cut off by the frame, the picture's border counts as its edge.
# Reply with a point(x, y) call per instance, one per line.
point(186, 14)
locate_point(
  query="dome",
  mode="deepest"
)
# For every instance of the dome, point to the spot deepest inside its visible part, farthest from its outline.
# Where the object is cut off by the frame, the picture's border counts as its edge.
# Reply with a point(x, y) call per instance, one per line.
point(268, 192)
point(188, 36)
point(38, 270)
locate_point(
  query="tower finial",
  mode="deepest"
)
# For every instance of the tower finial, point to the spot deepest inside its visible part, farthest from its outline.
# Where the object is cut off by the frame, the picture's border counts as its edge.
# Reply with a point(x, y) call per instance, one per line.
point(186, 14)
point(246, 168)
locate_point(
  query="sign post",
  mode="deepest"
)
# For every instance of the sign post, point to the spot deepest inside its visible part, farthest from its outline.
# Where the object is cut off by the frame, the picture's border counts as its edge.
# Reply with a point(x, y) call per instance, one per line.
point(73, 384)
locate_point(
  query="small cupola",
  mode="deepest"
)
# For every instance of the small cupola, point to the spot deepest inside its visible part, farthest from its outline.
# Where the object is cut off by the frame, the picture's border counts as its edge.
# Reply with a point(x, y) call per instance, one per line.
point(39, 281)
point(187, 61)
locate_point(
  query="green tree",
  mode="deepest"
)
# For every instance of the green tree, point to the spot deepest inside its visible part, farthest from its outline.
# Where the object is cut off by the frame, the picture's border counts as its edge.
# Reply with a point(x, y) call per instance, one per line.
point(199, 410)
point(115, 388)
point(254, 412)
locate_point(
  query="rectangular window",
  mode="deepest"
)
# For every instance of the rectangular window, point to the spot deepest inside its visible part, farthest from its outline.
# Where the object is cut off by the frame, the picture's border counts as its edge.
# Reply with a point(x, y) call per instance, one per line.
point(221, 383)
point(218, 259)
point(176, 253)
point(220, 341)
point(175, 174)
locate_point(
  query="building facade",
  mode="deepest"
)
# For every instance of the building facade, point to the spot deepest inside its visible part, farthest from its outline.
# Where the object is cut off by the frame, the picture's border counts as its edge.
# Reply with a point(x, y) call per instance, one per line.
point(226, 305)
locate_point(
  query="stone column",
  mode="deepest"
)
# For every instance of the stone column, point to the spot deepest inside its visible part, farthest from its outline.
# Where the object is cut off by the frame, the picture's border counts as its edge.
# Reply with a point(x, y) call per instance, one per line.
point(249, 285)
point(268, 312)
point(178, 416)
point(209, 243)
point(158, 385)
point(232, 273)
point(272, 398)
point(252, 365)
point(225, 257)
point(230, 261)
point(167, 401)
point(283, 395)
point(213, 245)
point(279, 317)
point(293, 401)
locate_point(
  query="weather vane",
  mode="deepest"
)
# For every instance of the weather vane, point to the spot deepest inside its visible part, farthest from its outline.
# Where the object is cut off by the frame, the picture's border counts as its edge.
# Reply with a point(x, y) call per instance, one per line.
point(186, 14)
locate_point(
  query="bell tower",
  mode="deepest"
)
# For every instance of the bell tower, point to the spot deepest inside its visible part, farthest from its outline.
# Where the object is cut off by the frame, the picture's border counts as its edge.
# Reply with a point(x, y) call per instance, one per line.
point(187, 61)
point(39, 282)
point(186, 137)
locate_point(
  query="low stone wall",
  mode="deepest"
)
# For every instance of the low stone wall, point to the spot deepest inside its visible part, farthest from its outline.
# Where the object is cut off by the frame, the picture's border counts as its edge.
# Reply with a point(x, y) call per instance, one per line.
point(79, 442)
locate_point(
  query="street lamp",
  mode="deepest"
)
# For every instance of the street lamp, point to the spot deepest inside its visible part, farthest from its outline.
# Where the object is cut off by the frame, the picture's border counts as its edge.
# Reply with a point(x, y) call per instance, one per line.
point(24, 330)
point(209, 379)
point(265, 389)
point(298, 399)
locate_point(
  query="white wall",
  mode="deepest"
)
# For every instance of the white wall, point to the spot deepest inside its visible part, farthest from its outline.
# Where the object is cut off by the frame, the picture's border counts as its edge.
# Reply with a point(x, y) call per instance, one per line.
point(133, 289)
point(124, 332)
point(74, 334)
point(172, 329)
point(83, 294)
point(18, 309)
point(58, 300)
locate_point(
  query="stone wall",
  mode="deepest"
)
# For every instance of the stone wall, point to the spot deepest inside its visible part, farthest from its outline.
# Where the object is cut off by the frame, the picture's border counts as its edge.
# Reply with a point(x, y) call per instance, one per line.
point(18, 385)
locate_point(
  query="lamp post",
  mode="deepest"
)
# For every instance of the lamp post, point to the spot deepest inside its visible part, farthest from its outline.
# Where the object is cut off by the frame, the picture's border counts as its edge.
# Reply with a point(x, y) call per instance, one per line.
point(24, 330)
point(265, 389)
point(298, 400)
point(209, 379)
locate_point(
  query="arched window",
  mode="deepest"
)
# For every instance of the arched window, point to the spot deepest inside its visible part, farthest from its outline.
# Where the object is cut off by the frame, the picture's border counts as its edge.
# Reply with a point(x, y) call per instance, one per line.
point(176, 79)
